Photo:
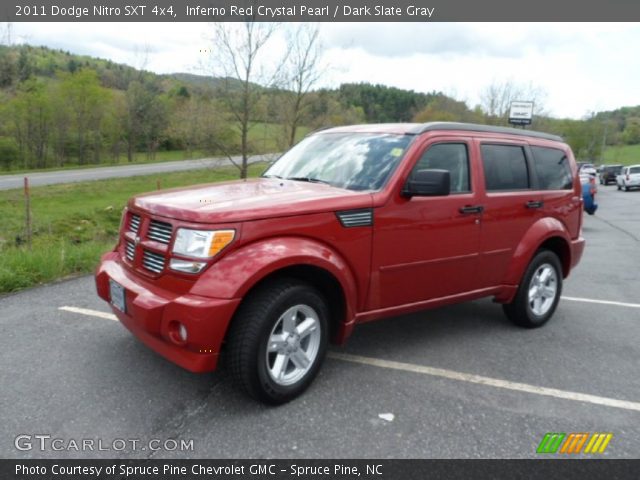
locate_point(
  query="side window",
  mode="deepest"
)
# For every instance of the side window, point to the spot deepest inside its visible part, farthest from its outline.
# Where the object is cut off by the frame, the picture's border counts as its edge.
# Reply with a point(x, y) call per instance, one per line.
point(552, 168)
point(505, 167)
point(448, 156)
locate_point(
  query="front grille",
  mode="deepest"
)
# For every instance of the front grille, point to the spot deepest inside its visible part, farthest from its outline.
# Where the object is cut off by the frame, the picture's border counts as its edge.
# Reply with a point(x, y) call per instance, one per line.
point(159, 231)
point(134, 223)
point(129, 250)
point(153, 261)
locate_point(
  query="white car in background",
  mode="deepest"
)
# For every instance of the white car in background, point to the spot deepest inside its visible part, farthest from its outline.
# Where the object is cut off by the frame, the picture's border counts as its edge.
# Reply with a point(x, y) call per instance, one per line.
point(629, 178)
point(588, 169)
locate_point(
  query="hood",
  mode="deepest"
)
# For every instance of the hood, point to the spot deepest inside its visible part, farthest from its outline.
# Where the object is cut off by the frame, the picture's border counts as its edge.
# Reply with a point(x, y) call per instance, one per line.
point(253, 199)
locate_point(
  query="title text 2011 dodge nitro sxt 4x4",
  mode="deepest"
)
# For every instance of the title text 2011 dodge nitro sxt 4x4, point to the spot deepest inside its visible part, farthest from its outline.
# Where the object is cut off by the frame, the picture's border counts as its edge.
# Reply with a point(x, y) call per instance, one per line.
point(351, 225)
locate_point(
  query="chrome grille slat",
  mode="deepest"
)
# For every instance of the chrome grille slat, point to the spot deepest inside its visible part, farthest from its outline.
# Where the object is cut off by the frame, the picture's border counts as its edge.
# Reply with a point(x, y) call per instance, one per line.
point(134, 223)
point(160, 231)
point(130, 250)
point(153, 261)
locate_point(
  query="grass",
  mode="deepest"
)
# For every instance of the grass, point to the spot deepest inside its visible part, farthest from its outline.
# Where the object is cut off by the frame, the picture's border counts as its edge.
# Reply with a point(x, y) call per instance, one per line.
point(263, 137)
point(73, 224)
point(622, 154)
point(138, 158)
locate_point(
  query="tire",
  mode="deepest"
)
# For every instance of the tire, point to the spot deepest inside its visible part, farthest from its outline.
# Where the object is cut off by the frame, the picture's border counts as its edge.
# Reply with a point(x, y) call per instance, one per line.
point(278, 376)
point(619, 188)
point(531, 309)
point(626, 189)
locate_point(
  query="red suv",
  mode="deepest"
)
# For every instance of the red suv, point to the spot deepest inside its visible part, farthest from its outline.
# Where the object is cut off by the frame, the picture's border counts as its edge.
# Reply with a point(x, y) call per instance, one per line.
point(351, 225)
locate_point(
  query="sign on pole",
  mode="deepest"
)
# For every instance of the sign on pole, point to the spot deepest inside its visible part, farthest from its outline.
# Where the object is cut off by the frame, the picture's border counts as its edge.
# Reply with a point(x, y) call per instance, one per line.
point(521, 113)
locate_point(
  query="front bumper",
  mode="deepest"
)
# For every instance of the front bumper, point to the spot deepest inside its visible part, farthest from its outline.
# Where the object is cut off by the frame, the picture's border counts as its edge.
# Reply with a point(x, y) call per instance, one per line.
point(151, 312)
point(577, 249)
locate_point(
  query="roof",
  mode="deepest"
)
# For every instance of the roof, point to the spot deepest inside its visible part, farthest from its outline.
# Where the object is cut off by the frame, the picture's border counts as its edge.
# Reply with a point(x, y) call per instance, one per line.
point(418, 128)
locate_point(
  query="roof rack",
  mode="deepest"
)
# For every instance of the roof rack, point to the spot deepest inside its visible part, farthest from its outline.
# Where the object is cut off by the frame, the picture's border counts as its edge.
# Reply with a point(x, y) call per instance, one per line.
point(472, 127)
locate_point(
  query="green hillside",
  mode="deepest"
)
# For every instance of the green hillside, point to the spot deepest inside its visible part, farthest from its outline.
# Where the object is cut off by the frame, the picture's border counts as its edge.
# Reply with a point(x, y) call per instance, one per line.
point(622, 154)
point(61, 110)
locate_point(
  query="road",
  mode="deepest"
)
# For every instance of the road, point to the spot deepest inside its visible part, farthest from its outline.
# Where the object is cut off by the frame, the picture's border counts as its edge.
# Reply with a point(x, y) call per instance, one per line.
point(8, 182)
point(455, 382)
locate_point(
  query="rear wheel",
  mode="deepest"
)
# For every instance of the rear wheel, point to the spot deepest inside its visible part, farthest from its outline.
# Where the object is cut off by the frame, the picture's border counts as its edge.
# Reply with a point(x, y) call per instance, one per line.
point(278, 340)
point(539, 292)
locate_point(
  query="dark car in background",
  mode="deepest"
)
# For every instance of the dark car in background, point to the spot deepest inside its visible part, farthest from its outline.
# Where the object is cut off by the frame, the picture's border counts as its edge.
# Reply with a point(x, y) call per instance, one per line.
point(608, 173)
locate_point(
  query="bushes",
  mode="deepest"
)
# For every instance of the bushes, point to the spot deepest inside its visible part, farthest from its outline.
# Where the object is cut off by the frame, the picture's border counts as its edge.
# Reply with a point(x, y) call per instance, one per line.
point(9, 153)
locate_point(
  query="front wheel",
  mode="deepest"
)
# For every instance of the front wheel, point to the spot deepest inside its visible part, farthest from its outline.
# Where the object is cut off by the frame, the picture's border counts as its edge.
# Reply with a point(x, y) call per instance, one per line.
point(539, 292)
point(278, 340)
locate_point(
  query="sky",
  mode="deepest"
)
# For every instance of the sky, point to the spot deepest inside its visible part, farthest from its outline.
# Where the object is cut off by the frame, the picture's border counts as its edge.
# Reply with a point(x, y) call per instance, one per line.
point(579, 68)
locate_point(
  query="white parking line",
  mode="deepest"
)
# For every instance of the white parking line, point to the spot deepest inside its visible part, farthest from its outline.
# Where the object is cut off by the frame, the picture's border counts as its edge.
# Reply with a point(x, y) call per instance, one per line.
point(602, 302)
point(492, 382)
point(91, 313)
point(440, 372)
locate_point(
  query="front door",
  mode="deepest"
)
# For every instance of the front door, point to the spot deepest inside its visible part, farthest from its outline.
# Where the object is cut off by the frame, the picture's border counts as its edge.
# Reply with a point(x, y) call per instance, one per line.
point(427, 247)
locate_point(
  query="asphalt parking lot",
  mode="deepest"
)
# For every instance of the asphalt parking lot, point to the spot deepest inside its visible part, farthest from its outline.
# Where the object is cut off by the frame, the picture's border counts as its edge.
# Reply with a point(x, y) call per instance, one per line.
point(457, 382)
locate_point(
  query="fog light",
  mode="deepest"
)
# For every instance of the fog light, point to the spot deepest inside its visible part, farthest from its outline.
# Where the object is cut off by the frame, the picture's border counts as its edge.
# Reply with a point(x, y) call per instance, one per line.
point(186, 266)
point(178, 333)
point(182, 333)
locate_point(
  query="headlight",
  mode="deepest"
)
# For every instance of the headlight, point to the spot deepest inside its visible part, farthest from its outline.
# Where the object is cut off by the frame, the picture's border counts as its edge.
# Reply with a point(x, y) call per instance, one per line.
point(201, 243)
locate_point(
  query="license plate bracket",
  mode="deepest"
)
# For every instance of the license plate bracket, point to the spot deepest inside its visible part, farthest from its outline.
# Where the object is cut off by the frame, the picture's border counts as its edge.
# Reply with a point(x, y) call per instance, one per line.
point(118, 296)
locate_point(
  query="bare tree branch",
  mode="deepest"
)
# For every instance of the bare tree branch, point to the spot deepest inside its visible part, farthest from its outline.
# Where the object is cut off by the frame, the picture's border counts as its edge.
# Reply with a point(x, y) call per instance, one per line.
point(496, 98)
point(238, 50)
point(303, 70)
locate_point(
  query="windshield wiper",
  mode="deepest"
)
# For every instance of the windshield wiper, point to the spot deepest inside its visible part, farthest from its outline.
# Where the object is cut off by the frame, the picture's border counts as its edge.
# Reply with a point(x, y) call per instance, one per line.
point(272, 176)
point(308, 179)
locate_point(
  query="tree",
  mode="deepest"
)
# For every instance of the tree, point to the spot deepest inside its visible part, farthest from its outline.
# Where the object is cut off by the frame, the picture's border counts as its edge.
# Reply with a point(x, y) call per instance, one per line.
point(584, 136)
point(30, 113)
point(24, 65)
point(631, 132)
point(445, 109)
point(7, 60)
point(238, 49)
point(144, 118)
point(495, 100)
point(87, 102)
point(302, 70)
point(383, 104)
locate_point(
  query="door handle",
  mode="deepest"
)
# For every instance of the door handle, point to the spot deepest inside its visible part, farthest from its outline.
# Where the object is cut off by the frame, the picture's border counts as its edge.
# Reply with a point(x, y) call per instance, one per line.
point(471, 209)
point(534, 204)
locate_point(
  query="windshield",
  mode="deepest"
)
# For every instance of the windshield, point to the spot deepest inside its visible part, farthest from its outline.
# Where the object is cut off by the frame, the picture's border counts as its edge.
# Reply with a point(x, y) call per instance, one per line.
point(356, 161)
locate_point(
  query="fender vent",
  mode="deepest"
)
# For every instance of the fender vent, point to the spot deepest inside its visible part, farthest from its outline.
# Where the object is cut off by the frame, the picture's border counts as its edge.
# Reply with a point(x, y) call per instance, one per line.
point(362, 217)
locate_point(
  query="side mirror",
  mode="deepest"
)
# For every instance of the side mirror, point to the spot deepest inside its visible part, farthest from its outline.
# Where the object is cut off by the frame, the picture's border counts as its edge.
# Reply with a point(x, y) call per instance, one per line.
point(428, 183)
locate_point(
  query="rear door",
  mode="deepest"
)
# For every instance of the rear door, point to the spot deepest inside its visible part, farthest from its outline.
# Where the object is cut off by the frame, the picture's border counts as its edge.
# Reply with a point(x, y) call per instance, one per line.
point(552, 181)
point(510, 205)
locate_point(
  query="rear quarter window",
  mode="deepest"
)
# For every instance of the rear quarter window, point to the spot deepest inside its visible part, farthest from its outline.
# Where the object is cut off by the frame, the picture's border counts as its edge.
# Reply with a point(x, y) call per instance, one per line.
point(552, 168)
point(505, 167)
